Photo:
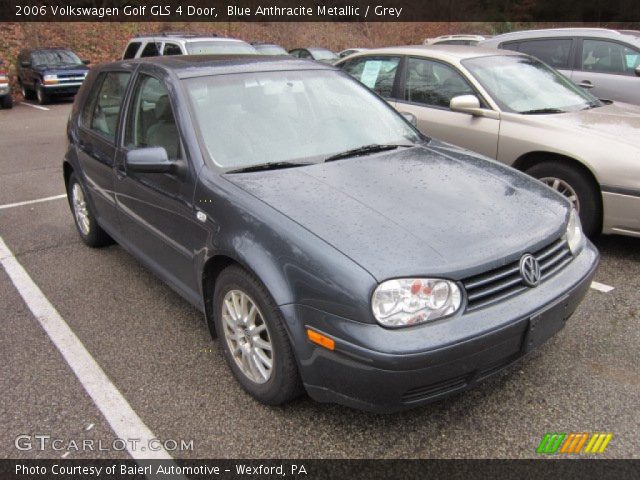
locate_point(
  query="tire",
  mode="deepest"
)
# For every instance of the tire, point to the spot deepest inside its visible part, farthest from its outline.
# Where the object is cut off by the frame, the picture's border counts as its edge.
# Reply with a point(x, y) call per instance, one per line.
point(90, 232)
point(7, 101)
point(283, 383)
point(26, 93)
point(41, 95)
point(589, 204)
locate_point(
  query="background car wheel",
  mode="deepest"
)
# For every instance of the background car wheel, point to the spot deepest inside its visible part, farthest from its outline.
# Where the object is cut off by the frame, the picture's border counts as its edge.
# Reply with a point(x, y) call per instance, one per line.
point(577, 187)
point(26, 93)
point(90, 232)
point(41, 95)
point(7, 101)
point(253, 338)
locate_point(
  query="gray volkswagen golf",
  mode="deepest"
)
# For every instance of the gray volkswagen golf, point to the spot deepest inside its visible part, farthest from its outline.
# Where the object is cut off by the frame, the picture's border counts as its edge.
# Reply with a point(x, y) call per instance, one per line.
point(332, 248)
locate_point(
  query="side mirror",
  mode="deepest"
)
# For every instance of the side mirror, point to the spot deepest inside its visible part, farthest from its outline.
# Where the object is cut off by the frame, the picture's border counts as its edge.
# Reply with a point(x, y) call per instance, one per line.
point(471, 104)
point(25, 63)
point(150, 160)
point(86, 62)
point(637, 71)
point(410, 117)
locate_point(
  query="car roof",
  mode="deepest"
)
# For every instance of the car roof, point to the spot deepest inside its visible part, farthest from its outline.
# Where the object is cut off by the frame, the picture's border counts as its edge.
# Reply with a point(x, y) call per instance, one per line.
point(187, 66)
point(562, 32)
point(444, 52)
point(186, 38)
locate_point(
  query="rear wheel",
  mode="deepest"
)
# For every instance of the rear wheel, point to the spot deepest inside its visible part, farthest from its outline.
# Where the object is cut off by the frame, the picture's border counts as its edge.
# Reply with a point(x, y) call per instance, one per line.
point(7, 101)
point(253, 338)
point(577, 187)
point(90, 232)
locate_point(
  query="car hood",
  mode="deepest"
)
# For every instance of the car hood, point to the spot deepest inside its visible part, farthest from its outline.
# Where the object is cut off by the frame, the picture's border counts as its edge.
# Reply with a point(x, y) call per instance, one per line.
point(618, 122)
point(435, 210)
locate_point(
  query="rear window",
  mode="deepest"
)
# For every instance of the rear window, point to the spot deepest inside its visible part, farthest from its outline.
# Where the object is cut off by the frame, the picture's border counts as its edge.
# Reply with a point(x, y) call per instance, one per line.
point(102, 109)
point(131, 50)
point(554, 52)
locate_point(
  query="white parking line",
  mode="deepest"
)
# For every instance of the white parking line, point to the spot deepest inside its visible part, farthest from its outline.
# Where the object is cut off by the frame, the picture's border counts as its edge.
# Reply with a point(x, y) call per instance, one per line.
point(29, 202)
point(34, 106)
point(601, 287)
point(116, 410)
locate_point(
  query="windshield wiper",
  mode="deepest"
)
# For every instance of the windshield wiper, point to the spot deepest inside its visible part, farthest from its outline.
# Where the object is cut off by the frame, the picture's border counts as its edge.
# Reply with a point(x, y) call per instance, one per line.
point(364, 150)
point(541, 111)
point(267, 166)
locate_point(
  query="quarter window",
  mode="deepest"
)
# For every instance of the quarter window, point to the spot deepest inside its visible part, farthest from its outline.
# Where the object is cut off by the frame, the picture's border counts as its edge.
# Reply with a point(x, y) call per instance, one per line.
point(172, 49)
point(433, 83)
point(377, 73)
point(609, 57)
point(102, 111)
point(554, 52)
point(151, 121)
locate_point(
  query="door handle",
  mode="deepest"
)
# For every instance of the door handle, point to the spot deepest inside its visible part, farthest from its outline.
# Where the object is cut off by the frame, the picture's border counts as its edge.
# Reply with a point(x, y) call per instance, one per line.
point(585, 84)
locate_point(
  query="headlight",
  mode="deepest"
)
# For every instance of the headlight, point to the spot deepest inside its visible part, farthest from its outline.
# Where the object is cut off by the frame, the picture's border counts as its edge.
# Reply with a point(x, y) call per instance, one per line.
point(50, 79)
point(574, 235)
point(409, 301)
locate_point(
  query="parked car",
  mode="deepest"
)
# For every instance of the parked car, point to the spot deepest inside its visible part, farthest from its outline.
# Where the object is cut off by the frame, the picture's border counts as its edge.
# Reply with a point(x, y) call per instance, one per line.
point(511, 107)
point(175, 43)
point(323, 55)
point(461, 39)
point(330, 245)
point(605, 62)
point(350, 51)
point(269, 48)
point(6, 101)
point(45, 73)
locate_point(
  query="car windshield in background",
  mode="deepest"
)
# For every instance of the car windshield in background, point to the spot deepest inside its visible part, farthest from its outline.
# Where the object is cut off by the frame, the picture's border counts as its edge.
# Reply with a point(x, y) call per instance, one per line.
point(323, 54)
point(53, 58)
point(220, 47)
point(297, 116)
point(271, 50)
point(525, 85)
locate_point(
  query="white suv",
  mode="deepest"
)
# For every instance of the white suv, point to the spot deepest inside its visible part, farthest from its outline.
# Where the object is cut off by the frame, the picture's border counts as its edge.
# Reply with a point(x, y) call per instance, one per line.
point(184, 44)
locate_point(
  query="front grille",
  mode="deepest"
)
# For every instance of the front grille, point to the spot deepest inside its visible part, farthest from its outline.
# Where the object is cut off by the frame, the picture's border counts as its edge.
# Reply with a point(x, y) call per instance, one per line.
point(504, 282)
point(422, 393)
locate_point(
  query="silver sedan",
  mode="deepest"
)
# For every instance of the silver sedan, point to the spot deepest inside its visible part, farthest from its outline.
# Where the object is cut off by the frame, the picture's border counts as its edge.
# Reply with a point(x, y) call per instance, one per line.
point(519, 111)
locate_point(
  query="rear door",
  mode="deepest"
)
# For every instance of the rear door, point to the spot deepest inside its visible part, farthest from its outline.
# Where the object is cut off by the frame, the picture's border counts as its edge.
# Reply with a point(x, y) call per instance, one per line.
point(379, 73)
point(427, 87)
point(97, 140)
point(606, 68)
point(156, 209)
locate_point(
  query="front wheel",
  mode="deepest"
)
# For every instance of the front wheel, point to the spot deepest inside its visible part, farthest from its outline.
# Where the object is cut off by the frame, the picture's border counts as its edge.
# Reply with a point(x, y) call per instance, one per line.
point(7, 101)
point(577, 187)
point(26, 93)
point(253, 339)
point(41, 95)
point(90, 232)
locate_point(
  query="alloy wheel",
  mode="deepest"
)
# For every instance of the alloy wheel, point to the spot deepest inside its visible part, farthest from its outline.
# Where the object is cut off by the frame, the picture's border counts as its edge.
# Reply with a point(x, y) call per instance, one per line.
point(247, 336)
point(563, 188)
point(80, 210)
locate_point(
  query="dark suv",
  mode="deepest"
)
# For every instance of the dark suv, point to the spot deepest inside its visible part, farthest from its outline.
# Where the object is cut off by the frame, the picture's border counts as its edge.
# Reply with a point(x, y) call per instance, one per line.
point(47, 72)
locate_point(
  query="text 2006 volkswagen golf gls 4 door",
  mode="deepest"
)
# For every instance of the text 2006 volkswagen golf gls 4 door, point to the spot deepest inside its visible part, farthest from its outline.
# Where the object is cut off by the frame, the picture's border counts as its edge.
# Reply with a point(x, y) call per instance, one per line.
point(332, 248)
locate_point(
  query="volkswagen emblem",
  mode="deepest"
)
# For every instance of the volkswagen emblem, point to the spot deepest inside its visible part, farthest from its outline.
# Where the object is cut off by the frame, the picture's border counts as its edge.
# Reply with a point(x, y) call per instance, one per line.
point(530, 270)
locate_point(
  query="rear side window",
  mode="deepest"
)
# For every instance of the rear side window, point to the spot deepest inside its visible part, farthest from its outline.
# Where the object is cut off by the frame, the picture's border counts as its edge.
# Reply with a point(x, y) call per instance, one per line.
point(377, 73)
point(102, 109)
point(553, 52)
point(172, 49)
point(609, 57)
point(150, 50)
point(131, 50)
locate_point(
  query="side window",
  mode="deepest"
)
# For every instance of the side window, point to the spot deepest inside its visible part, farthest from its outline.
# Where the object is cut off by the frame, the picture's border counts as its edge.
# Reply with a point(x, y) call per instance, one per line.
point(608, 57)
point(171, 49)
point(377, 73)
point(105, 106)
point(131, 50)
point(305, 54)
point(433, 83)
point(554, 52)
point(150, 50)
point(295, 53)
point(515, 46)
point(151, 122)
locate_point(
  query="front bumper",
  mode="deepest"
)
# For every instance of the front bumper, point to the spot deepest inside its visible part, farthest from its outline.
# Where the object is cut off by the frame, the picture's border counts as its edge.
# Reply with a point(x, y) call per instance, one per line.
point(63, 89)
point(384, 370)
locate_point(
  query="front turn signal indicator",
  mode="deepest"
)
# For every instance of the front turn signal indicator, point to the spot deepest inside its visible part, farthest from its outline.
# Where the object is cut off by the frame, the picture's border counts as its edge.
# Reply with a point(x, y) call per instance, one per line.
point(320, 339)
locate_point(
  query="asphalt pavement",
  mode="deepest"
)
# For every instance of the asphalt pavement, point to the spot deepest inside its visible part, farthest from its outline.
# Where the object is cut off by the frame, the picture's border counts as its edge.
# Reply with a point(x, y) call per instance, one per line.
point(155, 348)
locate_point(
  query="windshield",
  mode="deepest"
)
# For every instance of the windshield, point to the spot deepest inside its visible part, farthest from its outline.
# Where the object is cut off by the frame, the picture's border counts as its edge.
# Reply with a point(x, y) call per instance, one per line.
point(322, 54)
point(53, 58)
point(523, 84)
point(220, 47)
point(270, 50)
point(297, 116)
